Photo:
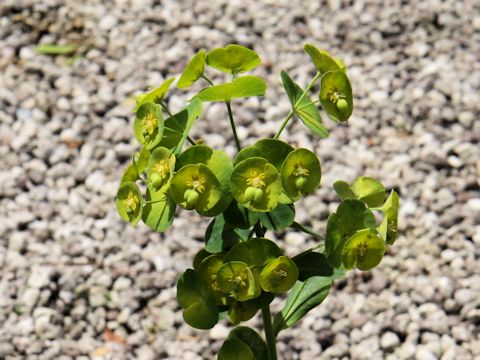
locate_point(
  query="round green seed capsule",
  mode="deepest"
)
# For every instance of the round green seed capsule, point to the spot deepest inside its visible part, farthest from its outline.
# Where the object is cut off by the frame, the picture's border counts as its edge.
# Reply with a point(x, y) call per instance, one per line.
point(342, 105)
point(191, 197)
point(157, 180)
point(300, 183)
point(258, 196)
point(250, 193)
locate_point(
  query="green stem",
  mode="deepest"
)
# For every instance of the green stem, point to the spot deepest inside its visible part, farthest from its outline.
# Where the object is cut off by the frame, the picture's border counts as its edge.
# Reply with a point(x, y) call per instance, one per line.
point(165, 107)
point(204, 77)
point(269, 334)
point(191, 141)
point(294, 110)
point(232, 124)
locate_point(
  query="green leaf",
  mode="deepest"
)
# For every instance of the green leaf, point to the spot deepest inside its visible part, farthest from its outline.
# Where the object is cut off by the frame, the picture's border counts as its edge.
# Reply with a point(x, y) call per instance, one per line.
point(240, 87)
point(351, 216)
point(279, 218)
point(198, 303)
point(274, 150)
point(254, 252)
point(369, 190)
point(250, 338)
point(303, 297)
point(389, 226)
point(220, 235)
point(312, 264)
point(178, 126)
point(129, 201)
point(130, 174)
point(305, 108)
point(306, 229)
point(233, 59)
point(239, 311)
point(233, 349)
point(159, 210)
point(343, 190)
point(141, 159)
point(239, 216)
point(336, 96)
point(156, 95)
point(193, 71)
point(54, 49)
point(322, 60)
point(364, 250)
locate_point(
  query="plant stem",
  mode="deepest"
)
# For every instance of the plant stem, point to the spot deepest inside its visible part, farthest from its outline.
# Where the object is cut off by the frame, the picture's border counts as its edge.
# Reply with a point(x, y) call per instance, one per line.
point(230, 115)
point(191, 141)
point(232, 124)
point(294, 110)
point(165, 107)
point(204, 77)
point(269, 335)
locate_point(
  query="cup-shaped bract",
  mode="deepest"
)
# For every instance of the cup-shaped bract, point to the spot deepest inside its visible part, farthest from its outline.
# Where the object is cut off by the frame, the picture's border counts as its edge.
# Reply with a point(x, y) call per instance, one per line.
point(148, 125)
point(369, 190)
point(389, 225)
point(208, 269)
point(233, 59)
point(129, 201)
point(322, 60)
point(160, 168)
point(336, 95)
point(240, 311)
point(301, 173)
point(193, 71)
point(279, 275)
point(254, 252)
point(195, 187)
point(256, 185)
point(236, 278)
point(156, 95)
point(364, 250)
point(196, 300)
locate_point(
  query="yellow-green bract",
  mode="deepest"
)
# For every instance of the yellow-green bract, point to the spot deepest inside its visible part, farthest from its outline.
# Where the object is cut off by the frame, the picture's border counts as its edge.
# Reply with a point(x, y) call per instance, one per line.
point(233, 59)
point(255, 184)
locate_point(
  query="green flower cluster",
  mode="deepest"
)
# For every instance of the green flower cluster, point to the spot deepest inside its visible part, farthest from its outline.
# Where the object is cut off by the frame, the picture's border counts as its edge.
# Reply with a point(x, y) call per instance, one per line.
point(239, 271)
point(237, 282)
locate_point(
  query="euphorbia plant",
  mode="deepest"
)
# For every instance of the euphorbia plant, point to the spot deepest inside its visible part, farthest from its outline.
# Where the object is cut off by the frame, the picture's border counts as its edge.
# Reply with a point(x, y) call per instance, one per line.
point(240, 272)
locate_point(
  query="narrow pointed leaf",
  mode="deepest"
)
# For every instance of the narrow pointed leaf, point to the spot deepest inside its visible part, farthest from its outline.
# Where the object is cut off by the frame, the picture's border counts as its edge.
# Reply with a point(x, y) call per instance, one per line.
point(305, 109)
point(303, 297)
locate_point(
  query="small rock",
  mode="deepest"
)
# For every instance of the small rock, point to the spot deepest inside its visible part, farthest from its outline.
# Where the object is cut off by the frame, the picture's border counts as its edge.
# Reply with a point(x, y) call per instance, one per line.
point(389, 340)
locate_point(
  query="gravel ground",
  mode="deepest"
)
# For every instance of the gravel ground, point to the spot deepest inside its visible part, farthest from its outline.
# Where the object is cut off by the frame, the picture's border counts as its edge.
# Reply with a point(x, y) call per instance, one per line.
point(78, 283)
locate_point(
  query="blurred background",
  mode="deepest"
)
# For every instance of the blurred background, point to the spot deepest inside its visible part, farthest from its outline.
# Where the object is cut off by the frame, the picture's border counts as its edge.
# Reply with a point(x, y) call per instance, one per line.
point(78, 283)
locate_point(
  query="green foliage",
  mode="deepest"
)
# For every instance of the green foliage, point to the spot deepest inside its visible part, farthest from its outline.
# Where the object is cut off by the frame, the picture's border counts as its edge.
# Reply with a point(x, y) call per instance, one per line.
point(240, 87)
point(336, 95)
point(238, 271)
point(193, 71)
point(148, 125)
point(233, 59)
point(303, 297)
point(196, 300)
point(156, 95)
point(304, 107)
point(54, 49)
